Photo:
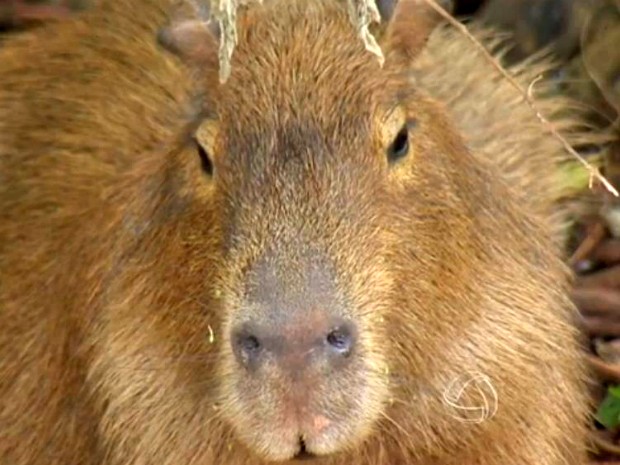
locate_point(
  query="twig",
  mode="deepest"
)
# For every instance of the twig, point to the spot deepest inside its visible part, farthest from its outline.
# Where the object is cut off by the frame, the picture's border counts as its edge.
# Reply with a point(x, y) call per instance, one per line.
point(596, 233)
point(604, 444)
point(594, 172)
point(605, 371)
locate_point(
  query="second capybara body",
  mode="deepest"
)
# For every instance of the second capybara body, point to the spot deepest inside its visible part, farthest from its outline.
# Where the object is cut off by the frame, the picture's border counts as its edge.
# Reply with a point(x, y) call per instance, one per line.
point(320, 258)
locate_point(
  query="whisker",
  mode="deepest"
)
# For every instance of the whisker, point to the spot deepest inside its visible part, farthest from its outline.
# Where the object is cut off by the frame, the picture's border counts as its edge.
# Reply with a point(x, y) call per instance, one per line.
point(398, 440)
point(162, 364)
point(395, 424)
point(185, 393)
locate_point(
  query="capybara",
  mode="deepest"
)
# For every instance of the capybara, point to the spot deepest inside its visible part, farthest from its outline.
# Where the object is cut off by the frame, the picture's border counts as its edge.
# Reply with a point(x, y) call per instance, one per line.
point(323, 257)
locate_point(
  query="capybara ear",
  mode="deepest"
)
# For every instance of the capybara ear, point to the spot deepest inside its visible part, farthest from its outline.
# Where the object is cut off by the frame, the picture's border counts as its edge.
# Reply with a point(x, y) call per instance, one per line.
point(194, 40)
point(407, 26)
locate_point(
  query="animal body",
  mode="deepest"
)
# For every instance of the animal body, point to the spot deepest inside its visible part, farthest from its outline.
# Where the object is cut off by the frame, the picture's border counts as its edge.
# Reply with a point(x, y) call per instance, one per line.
point(300, 262)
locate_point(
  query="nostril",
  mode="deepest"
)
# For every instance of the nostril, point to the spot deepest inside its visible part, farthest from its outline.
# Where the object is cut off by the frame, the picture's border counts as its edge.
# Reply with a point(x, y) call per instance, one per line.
point(246, 347)
point(249, 344)
point(341, 340)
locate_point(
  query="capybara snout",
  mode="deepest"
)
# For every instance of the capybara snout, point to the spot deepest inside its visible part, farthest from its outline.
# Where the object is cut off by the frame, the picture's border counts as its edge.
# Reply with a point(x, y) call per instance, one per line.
point(299, 356)
point(293, 324)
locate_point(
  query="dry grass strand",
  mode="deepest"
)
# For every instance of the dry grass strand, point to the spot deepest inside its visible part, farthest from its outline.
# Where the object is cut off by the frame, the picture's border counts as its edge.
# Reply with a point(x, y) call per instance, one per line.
point(362, 13)
point(594, 172)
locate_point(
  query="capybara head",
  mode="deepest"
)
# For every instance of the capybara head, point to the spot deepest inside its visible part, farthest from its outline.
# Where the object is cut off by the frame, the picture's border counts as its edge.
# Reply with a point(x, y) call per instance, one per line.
point(292, 259)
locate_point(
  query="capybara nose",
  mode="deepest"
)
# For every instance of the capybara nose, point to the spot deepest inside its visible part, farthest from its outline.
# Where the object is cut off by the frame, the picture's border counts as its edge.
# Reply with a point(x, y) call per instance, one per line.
point(294, 346)
point(293, 318)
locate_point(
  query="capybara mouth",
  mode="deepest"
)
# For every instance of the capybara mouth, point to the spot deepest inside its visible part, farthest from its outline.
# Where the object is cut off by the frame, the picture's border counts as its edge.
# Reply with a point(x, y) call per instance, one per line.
point(303, 453)
point(312, 424)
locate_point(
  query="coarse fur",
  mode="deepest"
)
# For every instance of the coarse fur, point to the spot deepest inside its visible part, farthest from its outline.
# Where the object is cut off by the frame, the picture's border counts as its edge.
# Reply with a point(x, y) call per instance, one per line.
point(123, 264)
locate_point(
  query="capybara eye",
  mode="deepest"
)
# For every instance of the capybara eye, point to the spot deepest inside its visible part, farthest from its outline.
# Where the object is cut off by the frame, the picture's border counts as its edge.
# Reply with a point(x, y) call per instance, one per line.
point(205, 161)
point(400, 147)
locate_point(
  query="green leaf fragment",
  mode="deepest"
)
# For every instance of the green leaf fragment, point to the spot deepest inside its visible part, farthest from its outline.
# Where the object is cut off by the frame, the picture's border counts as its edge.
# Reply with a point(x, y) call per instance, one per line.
point(614, 391)
point(608, 413)
point(573, 177)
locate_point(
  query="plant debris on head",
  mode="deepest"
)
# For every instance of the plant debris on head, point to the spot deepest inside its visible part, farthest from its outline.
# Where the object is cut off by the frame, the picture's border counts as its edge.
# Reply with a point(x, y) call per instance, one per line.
point(362, 14)
point(224, 12)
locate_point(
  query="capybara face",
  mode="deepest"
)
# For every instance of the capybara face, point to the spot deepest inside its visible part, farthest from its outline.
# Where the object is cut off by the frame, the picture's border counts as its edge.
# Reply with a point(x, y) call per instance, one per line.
point(295, 243)
point(312, 150)
point(302, 174)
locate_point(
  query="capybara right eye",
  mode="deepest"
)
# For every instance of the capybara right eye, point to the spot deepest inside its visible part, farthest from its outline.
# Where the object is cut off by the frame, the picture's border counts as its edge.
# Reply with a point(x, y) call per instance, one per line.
point(400, 146)
point(205, 160)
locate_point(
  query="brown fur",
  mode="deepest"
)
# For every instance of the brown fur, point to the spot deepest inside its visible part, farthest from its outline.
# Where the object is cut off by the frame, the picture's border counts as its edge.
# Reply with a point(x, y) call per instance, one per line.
point(119, 257)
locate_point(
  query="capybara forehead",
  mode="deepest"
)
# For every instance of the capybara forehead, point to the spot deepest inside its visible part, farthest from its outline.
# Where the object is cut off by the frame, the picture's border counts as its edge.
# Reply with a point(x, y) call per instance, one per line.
point(300, 60)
